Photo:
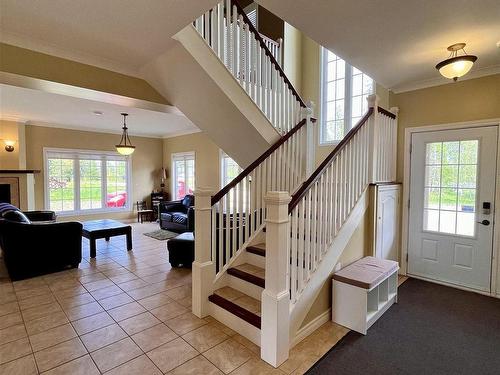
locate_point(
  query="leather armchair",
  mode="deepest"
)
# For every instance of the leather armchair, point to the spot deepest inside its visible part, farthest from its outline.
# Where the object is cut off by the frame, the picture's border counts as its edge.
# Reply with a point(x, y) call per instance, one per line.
point(40, 247)
point(178, 216)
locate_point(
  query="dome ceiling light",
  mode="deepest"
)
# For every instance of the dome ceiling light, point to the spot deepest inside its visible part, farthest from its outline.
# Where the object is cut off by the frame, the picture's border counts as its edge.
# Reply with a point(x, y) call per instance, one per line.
point(456, 66)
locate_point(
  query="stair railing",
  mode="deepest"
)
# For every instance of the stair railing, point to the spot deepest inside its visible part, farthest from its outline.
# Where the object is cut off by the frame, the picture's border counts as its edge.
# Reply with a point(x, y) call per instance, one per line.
point(301, 229)
point(246, 54)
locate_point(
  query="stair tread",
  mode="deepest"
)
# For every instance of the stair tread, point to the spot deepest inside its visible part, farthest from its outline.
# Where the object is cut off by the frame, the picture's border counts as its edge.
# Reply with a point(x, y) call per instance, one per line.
point(239, 304)
point(249, 273)
point(258, 249)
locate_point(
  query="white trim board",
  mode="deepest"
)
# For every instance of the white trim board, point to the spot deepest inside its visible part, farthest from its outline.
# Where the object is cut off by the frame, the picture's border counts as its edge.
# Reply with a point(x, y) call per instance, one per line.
point(310, 327)
point(495, 262)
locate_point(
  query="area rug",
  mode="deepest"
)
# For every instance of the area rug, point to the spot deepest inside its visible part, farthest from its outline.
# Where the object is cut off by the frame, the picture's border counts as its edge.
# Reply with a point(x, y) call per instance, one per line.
point(161, 234)
point(433, 329)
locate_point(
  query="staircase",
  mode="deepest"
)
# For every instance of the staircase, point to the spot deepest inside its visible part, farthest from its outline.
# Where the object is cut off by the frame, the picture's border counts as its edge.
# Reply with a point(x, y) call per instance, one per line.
point(268, 241)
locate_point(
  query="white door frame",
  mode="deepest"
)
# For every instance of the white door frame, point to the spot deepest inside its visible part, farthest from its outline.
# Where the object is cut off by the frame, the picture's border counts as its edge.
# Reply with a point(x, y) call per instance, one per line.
point(495, 262)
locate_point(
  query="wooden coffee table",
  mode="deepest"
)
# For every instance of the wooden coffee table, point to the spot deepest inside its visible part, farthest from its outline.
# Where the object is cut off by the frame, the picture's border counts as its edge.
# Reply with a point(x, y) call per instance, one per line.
point(106, 228)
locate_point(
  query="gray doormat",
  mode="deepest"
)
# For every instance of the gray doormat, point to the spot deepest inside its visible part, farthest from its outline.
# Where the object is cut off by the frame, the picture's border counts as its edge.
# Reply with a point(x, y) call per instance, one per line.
point(433, 329)
point(161, 234)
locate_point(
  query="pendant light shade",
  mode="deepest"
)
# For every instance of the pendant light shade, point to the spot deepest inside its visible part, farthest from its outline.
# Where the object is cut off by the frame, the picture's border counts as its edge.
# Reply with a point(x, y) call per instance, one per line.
point(456, 66)
point(125, 147)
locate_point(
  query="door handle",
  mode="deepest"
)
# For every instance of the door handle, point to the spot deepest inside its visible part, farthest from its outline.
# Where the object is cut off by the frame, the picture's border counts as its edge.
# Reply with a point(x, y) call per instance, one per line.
point(484, 222)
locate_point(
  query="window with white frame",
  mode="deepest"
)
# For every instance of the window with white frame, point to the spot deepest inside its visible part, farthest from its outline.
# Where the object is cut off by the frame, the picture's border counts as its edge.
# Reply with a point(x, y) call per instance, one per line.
point(182, 174)
point(79, 182)
point(344, 90)
point(229, 169)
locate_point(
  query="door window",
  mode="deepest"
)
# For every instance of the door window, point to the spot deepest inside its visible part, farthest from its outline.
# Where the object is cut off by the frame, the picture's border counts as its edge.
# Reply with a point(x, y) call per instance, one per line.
point(450, 187)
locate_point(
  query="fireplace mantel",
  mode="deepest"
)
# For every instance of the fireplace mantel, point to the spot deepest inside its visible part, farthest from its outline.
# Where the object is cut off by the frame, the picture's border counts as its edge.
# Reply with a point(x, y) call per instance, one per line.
point(19, 171)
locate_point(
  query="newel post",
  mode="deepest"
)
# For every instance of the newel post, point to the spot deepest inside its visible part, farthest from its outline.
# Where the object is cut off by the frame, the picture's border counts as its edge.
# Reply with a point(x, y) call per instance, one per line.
point(275, 324)
point(310, 143)
point(203, 270)
point(373, 146)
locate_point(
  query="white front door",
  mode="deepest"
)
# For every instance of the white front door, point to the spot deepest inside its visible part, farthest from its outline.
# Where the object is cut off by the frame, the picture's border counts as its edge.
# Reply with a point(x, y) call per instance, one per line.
point(452, 192)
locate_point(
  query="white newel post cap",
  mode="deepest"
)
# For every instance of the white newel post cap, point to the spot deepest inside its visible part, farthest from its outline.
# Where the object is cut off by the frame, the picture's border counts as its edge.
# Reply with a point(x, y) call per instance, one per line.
point(277, 206)
point(203, 195)
point(373, 100)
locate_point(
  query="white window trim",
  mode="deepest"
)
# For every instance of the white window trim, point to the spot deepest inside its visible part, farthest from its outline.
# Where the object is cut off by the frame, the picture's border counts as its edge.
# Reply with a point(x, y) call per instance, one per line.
point(322, 95)
point(222, 165)
point(173, 174)
point(92, 154)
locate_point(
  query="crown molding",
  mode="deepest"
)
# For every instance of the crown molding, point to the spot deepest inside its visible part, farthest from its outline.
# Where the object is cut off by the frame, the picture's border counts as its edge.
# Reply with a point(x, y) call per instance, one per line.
point(178, 134)
point(438, 81)
point(81, 57)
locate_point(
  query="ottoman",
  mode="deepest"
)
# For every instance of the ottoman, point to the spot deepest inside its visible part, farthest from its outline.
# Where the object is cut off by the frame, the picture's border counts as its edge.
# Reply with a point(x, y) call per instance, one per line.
point(181, 250)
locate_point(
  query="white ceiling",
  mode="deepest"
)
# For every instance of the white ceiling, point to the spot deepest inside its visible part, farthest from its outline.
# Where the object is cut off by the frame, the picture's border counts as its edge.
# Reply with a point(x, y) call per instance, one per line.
point(399, 42)
point(47, 109)
point(121, 35)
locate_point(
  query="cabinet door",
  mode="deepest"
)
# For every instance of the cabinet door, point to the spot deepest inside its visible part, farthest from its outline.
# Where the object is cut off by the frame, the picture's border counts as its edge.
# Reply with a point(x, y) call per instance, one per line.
point(387, 224)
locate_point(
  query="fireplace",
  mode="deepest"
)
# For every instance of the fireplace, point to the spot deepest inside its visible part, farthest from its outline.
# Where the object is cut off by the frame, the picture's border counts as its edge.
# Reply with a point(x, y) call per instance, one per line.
point(9, 190)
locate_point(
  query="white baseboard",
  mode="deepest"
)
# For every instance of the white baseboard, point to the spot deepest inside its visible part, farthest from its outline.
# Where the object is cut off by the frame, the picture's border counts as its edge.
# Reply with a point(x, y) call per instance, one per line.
point(312, 326)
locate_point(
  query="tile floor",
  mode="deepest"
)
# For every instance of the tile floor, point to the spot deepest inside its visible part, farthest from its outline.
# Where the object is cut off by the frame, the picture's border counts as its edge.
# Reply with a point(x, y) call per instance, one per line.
point(128, 313)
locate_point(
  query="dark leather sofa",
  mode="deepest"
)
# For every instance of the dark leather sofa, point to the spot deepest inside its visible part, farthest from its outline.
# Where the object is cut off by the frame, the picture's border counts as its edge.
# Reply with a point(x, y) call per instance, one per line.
point(34, 244)
point(178, 216)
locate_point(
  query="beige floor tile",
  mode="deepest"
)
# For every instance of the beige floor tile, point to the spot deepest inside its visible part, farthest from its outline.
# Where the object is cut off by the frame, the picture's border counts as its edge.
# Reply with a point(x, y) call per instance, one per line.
point(34, 282)
point(109, 291)
point(228, 331)
point(104, 336)
point(172, 354)
point(47, 322)
point(7, 296)
point(40, 311)
point(122, 278)
point(228, 355)
point(82, 311)
point(126, 311)
point(92, 323)
point(95, 285)
point(115, 301)
point(132, 284)
point(180, 292)
point(59, 354)
point(205, 337)
point(36, 301)
point(9, 308)
point(139, 366)
point(74, 301)
point(80, 366)
point(115, 354)
point(256, 366)
point(255, 349)
point(61, 294)
point(21, 366)
point(139, 323)
point(146, 291)
point(14, 349)
point(154, 337)
point(92, 277)
point(52, 337)
point(12, 333)
point(64, 284)
point(32, 292)
point(169, 311)
point(195, 366)
point(155, 301)
point(10, 320)
point(184, 323)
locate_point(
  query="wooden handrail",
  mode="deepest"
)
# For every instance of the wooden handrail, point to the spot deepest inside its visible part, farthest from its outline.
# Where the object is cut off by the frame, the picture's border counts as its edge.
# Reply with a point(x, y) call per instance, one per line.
point(217, 197)
point(317, 173)
point(386, 112)
point(268, 52)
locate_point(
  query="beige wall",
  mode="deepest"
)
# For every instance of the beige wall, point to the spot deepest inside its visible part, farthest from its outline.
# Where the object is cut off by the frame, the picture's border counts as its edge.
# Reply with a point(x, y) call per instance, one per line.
point(357, 248)
point(146, 160)
point(9, 131)
point(39, 65)
point(292, 56)
point(207, 164)
point(468, 100)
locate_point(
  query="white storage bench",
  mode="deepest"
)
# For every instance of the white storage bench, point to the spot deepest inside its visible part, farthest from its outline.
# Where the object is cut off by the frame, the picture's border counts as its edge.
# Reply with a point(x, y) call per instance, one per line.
point(363, 291)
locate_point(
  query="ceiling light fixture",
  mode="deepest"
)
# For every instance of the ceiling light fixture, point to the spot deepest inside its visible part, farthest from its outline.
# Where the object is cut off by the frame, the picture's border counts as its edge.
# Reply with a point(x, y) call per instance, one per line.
point(456, 66)
point(9, 145)
point(125, 147)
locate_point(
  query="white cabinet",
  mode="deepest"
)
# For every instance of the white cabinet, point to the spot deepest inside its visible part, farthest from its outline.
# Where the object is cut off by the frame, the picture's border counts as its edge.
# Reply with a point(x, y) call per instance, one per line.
point(386, 221)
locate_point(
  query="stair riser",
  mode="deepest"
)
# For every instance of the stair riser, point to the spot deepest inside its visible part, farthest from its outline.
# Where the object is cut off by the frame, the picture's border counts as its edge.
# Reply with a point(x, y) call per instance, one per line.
point(237, 324)
point(245, 287)
point(255, 260)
